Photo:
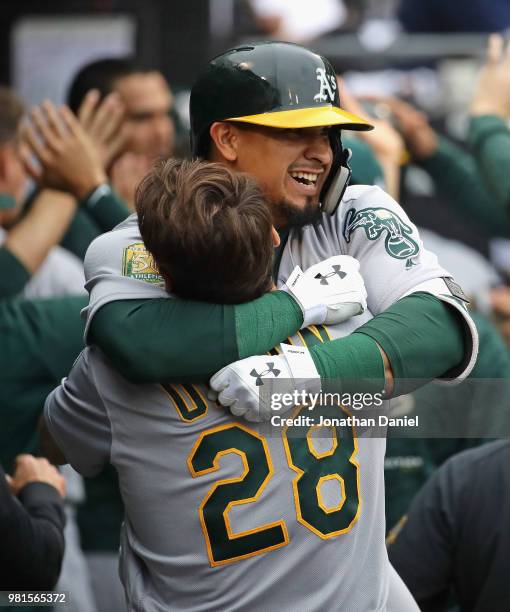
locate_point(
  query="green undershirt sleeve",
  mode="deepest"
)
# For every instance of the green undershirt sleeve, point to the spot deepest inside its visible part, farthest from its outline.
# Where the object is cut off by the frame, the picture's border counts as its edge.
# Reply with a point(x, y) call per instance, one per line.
point(92, 218)
point(88, 223)
point(107, 211)
point(263, 324)
point(457, 178)
point(489, 137)
point(422, 337)
point(15, 275)
point(81, 232)
point(173, 340)
point(353, 363)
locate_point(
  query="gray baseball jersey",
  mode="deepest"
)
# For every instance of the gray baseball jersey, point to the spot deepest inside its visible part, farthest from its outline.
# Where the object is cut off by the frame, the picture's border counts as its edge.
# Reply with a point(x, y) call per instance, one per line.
point(220, 515)
point(368, 225)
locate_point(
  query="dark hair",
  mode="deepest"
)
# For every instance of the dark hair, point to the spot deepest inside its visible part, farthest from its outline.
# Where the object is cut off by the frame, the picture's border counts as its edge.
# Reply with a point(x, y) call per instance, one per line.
point(101, 75)
point(208, 229)
point(11, 112)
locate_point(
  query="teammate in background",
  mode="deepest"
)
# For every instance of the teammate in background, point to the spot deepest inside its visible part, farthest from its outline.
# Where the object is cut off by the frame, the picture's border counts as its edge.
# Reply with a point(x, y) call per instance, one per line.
point(149, 126)
point(488, 135)
point(42, 338)
point(145, 95)
point(460, 535)
point(31, 526)
point(29, 249)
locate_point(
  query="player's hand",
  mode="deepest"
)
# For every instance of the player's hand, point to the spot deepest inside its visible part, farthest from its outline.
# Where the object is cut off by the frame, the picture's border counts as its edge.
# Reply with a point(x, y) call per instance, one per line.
point(69, 160)
point(246, 386)
point(492, 91)
point(35, 469)
point(329, 292)
point(103, 122)
point(385, 140)
point(420, 139)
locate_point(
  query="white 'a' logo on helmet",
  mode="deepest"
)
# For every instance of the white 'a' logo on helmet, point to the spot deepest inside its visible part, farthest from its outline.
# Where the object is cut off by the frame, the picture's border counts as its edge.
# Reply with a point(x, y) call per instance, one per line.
point(328, 86)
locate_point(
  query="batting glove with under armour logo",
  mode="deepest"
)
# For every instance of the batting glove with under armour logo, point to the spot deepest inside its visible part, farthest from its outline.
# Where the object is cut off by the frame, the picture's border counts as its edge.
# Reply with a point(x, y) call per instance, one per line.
point(245, 386)
point(329, 292)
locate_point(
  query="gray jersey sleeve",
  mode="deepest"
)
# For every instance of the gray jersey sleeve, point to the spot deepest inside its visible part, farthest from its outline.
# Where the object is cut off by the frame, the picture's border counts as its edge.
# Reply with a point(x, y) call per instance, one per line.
point(77, 419)
point(394, 263)
point(118, 267)
point(375, 230)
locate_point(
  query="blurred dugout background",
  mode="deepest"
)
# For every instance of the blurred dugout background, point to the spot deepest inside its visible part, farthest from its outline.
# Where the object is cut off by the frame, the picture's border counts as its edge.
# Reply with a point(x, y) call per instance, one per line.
point(426, 52)
point(420, 50)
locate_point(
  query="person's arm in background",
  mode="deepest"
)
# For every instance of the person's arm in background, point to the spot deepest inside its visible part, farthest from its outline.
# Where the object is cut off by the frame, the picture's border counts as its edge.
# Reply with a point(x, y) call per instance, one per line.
point(31, 526)
point(105, 207)
point(366, 170)
point(453, 170)
point(103, 122)
point(81, 232)
point(28, 243)
point(385, 142)
point(489, 138)
point(489, 134)
point(73, 156)
point(100, 212)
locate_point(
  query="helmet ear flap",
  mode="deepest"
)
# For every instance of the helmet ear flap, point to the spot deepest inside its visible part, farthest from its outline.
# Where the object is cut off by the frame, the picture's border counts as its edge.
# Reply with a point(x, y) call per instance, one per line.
point(200, 143)
point(339, 175)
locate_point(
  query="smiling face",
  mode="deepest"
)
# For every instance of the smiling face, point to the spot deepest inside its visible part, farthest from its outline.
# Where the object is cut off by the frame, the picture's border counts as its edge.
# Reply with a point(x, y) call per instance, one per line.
point(148, 101)
point(291, 166)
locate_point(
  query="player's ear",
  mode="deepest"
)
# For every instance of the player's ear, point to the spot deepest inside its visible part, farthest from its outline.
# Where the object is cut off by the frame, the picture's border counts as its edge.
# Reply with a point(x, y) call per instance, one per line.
point(168, 280)
point(225, 139)
point(276, 237)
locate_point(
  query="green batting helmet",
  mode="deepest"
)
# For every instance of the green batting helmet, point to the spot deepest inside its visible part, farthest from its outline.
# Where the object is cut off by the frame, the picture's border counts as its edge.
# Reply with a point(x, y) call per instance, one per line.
point(276, 84)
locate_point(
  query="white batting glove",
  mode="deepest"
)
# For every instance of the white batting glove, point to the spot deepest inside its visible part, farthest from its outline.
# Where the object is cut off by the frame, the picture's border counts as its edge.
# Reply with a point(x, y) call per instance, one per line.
point(245, 386)
point(329, 292)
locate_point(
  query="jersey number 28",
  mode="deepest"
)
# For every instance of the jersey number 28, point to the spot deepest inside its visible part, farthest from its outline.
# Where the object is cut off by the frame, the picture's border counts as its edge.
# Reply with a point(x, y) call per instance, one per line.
point(312, 469)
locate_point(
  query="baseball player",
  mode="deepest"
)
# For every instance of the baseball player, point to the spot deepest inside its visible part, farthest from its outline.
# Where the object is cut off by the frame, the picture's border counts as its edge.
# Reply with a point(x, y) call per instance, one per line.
point(272, 110)
point(463, 545)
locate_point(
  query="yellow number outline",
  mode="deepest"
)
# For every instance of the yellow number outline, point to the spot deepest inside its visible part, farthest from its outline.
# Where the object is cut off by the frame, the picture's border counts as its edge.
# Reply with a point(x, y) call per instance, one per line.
point(352, 459)
point(185, 396)
point(215, 467)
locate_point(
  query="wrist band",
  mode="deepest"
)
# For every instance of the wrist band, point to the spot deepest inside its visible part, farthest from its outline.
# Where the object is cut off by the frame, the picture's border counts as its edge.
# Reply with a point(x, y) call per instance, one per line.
point(302, 367)
point(96, 194)
point(7, 202)
point(300, 289)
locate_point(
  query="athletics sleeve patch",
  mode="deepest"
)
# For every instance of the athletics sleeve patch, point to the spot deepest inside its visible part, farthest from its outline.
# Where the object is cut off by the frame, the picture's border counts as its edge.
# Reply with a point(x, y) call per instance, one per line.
point(138, 263)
